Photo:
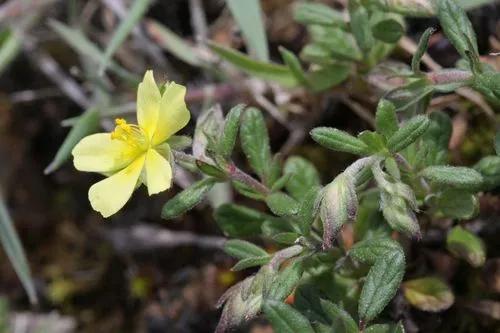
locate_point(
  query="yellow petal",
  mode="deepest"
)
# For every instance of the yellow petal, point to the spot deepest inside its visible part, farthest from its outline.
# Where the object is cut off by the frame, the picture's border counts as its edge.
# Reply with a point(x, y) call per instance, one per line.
point(173, 115)
point(99, 153)
point(148, 104)
point(158, 172)
point(109, 195)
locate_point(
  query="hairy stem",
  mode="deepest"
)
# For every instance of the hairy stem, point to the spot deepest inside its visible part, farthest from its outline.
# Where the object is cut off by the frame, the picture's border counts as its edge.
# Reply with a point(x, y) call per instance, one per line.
point(238, 175)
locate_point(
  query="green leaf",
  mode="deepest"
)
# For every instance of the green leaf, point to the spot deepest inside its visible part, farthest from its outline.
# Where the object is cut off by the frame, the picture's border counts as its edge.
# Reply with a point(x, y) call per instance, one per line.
point(308, 209)
point(287, 238)
point(341, 321)
point(458, 204)
point(79, 42)
point(328, 76)
point(274, 226)
point(386, 121)
point(317, 13)
point(370, 250)
point(14, 250)
point(187, 199)
point(381, 285)
point(88, 123)
point(211, 170)
point(439, 131)
point(251, 262)
point(170, 41)
point(242, 249)
point(179, 142)
point(414, 94)
point(428, 294)
point(280, 182)
point(358, 24)
point(303, 176)
point(307, 300)
point(248, 15)
point(238, 221)
point(489, 168)
point(386, 328)
point(497, 143)
point(408, 133)
point(209, 125)
point(457, 27)
point(374, 141)
point(10, 45)
point(248, 191)
point(317, 54)
point(255, 141)
point(136, 12)
point(286, 319)
point(421, 48)
point(293, 63)
point(282, 204)
point(488, 83)
point(286, 281)
point(338, 140)
point(228, 137)
point(339, 43)
point(457, 177)
point(266, 71)
point(464, 244)
point(387, 28)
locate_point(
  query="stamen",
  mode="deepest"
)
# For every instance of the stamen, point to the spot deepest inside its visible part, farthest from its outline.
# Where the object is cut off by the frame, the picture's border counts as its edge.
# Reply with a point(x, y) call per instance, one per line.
point(130, 133)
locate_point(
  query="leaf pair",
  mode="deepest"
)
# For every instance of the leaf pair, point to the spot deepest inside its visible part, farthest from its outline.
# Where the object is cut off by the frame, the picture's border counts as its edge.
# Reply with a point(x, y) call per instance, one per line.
point(394, 138)
point(384, 277)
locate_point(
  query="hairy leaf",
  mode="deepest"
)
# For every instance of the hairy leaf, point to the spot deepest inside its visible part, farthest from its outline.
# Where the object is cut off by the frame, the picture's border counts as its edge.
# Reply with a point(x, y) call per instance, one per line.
point(408, 133)
point(428, 294)
point(187, 199)
point(457, 177)
point(381, 285)
point(466, 245)
point(286, 319)
point(338, 140)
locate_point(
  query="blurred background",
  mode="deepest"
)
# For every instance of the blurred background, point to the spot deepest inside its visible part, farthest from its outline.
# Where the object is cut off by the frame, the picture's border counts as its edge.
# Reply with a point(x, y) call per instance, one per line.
point(135, 272)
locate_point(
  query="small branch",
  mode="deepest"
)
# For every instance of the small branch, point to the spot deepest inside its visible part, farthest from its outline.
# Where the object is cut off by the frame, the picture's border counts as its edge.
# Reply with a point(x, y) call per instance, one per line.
point(54, 72)
point(198, 21)
point(143, 237)
point(449, 76)
point(360, 110)
point(233, 172)
point(238, 175)
point(410, 46)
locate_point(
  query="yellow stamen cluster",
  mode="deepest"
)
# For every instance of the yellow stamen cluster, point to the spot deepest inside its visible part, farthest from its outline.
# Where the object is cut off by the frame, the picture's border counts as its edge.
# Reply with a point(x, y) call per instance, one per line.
point(129, 133)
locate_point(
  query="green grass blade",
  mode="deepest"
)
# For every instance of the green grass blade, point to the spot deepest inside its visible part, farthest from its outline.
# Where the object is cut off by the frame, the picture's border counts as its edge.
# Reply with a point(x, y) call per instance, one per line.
point(15, 253)
point(86, 124)
point(248, 15)
point(78, 42)
point(136, 12)
point(9, 48)
point(170, 41)
point(263, 70)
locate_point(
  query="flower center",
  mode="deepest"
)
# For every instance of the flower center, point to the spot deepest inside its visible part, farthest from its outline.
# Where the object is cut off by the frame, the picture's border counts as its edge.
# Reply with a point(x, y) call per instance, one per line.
point(132, 134)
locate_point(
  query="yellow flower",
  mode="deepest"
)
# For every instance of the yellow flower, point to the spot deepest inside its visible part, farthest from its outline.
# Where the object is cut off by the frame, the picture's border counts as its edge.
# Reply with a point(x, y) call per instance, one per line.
point(134, 154)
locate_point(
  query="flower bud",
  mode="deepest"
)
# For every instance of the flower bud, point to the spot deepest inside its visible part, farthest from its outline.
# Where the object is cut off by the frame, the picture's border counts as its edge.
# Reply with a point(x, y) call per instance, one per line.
point(238, 308)
point(397, 202)
point(338, 205)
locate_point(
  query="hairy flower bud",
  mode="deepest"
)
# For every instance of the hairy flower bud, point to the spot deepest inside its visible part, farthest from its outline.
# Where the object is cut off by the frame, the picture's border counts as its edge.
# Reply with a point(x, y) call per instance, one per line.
point(397, 202)
point(338, 205)
point(240, 305)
